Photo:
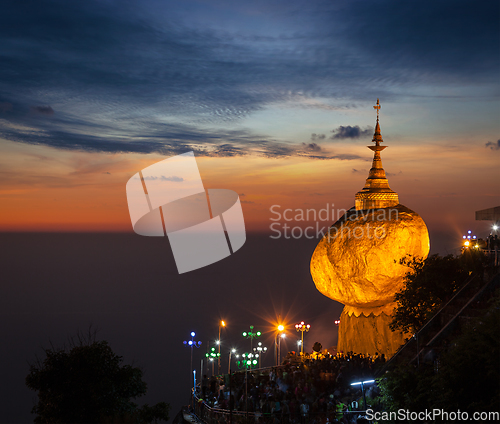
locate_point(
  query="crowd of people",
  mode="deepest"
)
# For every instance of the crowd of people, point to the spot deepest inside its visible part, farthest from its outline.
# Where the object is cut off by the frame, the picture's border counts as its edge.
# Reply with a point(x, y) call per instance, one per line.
point(299, 391)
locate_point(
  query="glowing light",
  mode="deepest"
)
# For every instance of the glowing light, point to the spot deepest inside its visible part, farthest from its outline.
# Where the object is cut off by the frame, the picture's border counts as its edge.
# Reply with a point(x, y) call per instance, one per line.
point(281, 327)
point(362, 382)
point(223, 323)
point(244, 334)
point(495, 227)
point(466, 243)
point(193, 334)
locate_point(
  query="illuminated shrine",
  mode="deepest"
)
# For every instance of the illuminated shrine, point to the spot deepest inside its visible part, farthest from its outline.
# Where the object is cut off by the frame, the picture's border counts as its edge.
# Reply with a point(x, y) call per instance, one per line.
point(357, 262)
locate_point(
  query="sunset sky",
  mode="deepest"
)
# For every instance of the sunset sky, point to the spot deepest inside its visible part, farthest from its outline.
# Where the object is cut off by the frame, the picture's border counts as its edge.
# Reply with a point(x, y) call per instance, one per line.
point(275, 99)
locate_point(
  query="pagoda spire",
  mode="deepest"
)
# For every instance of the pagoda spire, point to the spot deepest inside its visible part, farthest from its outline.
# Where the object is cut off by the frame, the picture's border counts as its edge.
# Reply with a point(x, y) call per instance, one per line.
point(376, 193)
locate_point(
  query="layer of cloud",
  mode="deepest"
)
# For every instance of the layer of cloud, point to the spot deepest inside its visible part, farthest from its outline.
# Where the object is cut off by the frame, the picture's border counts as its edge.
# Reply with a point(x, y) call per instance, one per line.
point(165, 139)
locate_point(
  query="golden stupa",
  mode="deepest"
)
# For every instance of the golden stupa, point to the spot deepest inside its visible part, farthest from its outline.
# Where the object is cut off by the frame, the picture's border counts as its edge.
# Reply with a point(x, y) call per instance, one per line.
point(357, 261)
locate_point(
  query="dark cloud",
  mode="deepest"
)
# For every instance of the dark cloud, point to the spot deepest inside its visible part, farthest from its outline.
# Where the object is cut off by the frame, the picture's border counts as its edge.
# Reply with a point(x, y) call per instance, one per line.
point(42, 110)
point(317, 137)
point(350, 132)
point(311, 147)
point(492, 145)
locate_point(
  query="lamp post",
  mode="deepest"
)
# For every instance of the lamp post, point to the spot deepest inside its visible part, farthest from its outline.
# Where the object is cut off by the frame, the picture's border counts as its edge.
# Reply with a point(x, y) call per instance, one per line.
point(229, 365)
point(281, 336)
point(251, 335)
point(363, 389)
point(223, 324)
point(249, 361)
point(211, 357)
point(192, 343)
point(259, 350)
point(277, 343)
point(302, 327)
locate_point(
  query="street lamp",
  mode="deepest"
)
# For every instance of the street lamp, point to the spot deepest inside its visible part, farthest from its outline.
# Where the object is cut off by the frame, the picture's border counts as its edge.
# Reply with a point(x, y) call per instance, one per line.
point(277, 344)
point(259, 350)
point(211, 357)
point(248, 360)
point(470, 240)
point(221, 324)
point(302, 327)
point(251, 335)
point(192, 343)
point(363, 388)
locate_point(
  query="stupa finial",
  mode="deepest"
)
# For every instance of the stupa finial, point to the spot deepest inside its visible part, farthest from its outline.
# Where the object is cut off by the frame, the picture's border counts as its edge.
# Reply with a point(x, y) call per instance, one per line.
point(377, 136)
point(376, 193)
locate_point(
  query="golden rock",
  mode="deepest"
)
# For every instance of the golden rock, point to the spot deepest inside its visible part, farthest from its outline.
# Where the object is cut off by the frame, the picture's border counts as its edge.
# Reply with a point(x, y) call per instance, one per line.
point(357, 261)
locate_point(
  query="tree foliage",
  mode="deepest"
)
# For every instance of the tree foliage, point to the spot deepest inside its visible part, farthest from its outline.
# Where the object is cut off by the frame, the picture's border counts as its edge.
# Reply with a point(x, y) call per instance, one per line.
point(88, 384)
point(429, 284)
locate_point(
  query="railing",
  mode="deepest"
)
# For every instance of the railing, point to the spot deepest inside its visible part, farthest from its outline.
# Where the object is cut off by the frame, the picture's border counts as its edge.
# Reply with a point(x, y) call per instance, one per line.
point(211, 415)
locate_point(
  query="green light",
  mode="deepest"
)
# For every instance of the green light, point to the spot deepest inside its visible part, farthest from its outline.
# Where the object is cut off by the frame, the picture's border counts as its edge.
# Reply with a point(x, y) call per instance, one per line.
point(249, 362)
point(258, 333)
point(244, 334)
point(254, 362)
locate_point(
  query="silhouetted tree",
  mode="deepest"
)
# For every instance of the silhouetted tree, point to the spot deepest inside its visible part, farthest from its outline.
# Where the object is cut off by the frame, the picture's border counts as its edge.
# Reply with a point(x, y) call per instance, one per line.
point(429, 284)
point(88, 384)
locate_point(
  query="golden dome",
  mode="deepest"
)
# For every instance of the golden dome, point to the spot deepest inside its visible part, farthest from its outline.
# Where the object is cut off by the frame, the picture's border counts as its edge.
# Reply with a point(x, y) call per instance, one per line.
point(357, 261)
